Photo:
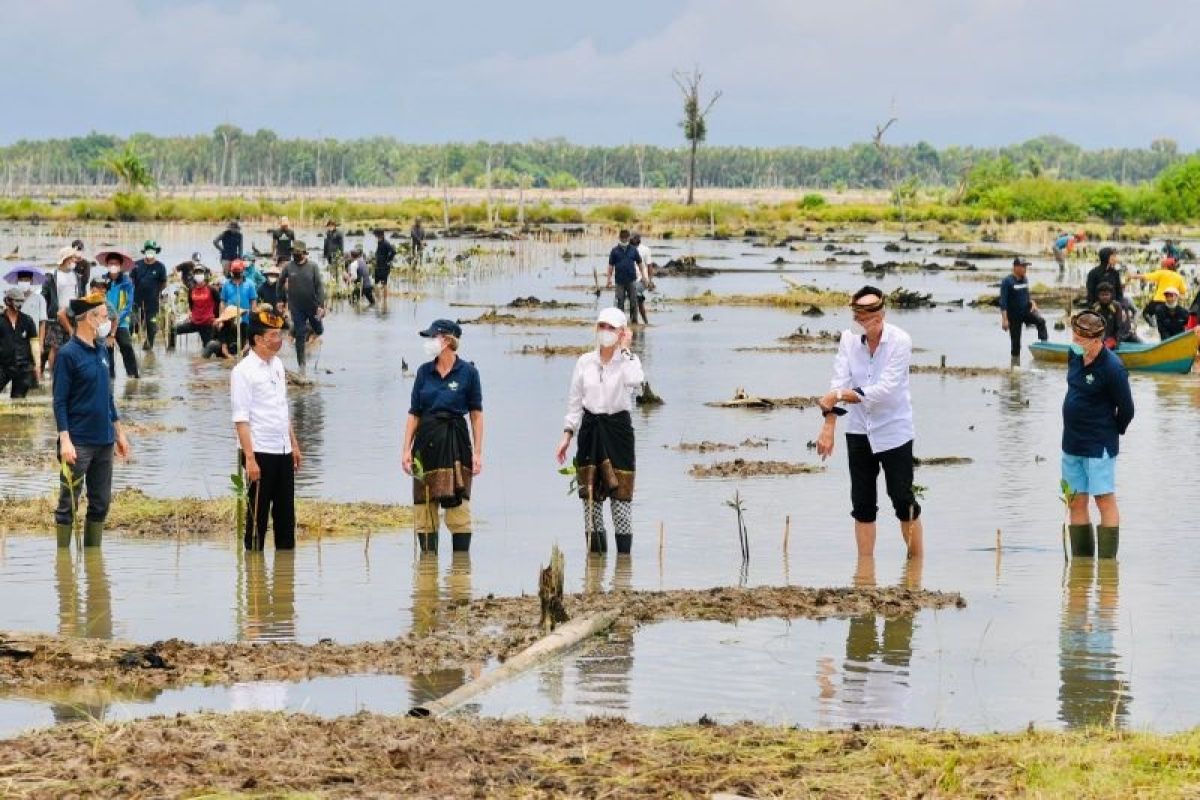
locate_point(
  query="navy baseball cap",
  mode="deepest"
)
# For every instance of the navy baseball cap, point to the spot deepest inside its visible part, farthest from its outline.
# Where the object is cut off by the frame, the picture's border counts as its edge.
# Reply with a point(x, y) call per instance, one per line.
point(443, 327)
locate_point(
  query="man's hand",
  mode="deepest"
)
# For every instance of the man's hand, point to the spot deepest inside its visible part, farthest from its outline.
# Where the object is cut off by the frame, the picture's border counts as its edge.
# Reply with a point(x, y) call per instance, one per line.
point(66, 448)
point(406, 461)
point(477, 463)
point(1004, 323)
point(124, 451)
point(297, 457)
point(608, 284)
point(253, 472)
point(825, 441)
point(320, 312)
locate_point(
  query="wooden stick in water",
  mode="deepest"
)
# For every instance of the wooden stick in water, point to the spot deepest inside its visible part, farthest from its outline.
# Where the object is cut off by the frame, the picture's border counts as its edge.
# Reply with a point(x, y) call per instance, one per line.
point(787, 532)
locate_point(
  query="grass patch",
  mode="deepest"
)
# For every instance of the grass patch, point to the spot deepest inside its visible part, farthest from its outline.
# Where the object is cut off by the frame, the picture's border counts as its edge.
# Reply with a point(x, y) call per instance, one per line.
point(795, 296)
point(138, 514)
point(377, 755)
point(741, 468)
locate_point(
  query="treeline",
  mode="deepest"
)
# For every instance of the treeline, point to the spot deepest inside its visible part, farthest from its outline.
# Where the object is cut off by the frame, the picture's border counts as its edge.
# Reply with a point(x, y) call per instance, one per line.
point(233, 157)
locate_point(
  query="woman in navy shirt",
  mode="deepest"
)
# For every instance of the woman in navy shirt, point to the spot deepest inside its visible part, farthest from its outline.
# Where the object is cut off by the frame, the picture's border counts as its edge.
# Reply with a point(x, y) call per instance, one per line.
point(446, 391)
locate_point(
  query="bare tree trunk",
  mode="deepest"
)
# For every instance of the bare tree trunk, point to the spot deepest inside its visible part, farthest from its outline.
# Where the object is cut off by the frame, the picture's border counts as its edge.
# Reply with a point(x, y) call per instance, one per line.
point(691, 197)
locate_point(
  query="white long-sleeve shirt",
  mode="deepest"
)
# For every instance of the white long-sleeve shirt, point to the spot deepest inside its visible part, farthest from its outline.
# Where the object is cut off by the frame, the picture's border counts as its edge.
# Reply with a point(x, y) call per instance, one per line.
point(885, 413)
point(602, 388)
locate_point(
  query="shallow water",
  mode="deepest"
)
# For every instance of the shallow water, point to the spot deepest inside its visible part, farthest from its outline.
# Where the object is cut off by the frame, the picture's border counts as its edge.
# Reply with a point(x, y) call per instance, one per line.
point(995, 664)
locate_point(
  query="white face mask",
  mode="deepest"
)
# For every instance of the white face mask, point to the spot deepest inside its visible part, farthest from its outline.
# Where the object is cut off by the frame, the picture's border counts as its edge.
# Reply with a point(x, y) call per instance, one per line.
point(1172, 301)
point(606, 338)
point(857, 328)
point(104, 328)
point(24, 285)
point(433, 347)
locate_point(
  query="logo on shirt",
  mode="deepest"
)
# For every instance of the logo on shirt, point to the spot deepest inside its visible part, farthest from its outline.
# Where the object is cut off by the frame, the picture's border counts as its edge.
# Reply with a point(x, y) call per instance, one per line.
point(1090, 379)
point(452, 386)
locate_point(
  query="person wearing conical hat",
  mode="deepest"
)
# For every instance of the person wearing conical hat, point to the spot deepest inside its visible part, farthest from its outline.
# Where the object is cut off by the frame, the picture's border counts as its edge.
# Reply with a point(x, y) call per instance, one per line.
point(89, 428)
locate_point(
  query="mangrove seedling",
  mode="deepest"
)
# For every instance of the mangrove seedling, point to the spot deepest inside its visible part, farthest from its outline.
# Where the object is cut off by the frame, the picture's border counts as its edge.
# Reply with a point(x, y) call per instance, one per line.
point(571, 470)
point(418, 471)
point(1066, 496)
point(67, 478)
point(743, 535)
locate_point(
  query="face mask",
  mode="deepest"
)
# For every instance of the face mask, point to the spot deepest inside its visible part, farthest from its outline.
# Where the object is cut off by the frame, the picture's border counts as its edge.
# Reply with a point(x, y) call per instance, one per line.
point(1077, 349)
point(271, 279)
point(113, 274)
point(857, 328)
point(1172, 303)
point(24, 285)
point(104, 328)
point(149, 257)
point(607, 338)
point(433, 347)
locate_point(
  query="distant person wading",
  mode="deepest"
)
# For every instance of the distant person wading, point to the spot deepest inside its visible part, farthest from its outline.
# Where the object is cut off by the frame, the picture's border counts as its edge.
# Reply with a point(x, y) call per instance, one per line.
point(623, 267)
point(149, 279)
point(438, 451)
point(1018, 309)
point(304, 299)
point(599, 399)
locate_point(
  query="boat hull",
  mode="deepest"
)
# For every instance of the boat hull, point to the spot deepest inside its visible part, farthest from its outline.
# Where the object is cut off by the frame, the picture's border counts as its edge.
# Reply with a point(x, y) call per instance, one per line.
point(1175, 355)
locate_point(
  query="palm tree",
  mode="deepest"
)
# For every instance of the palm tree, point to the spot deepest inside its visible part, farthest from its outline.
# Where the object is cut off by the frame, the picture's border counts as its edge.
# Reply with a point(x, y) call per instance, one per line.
point(695, 121)
point(129, 169)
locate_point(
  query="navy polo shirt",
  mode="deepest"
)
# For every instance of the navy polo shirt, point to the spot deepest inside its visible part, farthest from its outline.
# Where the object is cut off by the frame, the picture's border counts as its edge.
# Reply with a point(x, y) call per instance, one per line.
point(83, 401)
point(624, 259)
point(457, 393)
point(1014, 295)
point(1098, 406)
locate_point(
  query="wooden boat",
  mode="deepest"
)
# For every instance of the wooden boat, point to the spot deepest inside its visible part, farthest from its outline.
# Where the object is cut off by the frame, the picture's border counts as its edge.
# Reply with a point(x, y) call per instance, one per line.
point(1173, 355)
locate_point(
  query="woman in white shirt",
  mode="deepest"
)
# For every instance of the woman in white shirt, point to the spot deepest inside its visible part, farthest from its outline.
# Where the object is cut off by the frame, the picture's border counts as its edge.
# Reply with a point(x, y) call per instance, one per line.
point(598, 406)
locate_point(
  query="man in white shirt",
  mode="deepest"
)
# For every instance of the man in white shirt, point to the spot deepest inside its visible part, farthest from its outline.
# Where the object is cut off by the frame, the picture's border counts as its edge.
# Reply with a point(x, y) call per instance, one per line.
point(258, 395)
point(870, 376)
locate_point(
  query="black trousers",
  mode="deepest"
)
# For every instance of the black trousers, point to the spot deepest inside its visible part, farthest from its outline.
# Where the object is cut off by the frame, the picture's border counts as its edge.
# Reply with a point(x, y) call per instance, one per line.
point(146, 310)
point(272, 498)
point(21, 377)
point(1017, 321)
point(897, 466)
point(205, 330)
point(128, 356)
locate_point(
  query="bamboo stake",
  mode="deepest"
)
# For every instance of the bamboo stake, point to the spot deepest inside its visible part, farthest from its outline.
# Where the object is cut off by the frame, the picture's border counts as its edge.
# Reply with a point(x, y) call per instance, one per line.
point(560, 640)
point(661, 537)
point(787, 533)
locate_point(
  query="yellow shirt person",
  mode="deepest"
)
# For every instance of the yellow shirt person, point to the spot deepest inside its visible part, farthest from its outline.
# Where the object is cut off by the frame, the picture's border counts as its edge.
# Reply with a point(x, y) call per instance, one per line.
point(1162, 280)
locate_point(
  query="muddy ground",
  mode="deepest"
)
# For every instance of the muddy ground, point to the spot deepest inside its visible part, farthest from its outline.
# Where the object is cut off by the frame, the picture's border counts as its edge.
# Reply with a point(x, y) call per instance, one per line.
point(743, 468)
point(370, 755)
point(461, 634)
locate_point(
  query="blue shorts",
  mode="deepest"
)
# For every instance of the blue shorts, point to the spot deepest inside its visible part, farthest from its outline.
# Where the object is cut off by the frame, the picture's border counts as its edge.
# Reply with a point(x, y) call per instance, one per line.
point(1094, 476)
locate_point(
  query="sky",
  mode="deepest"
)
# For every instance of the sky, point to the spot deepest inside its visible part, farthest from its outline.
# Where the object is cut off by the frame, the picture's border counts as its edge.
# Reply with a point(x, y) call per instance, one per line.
point(1101, 73)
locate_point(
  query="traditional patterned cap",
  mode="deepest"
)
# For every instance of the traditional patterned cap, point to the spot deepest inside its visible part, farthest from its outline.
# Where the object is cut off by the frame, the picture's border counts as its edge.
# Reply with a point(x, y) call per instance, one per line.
point(1088, 324)
point(264, 319)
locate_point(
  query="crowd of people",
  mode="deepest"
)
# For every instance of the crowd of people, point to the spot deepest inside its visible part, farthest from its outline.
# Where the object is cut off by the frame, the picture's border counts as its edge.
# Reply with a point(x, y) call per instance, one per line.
point(84, 318)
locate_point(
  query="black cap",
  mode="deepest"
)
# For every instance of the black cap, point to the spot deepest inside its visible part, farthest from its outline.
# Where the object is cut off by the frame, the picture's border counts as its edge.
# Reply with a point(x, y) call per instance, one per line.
point(443, 327)
point(1021, 261)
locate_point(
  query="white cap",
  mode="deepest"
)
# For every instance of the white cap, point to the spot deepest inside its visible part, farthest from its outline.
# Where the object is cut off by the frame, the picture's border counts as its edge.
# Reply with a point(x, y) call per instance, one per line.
point(1171, 290)
point(67, 252)
point(612, 316)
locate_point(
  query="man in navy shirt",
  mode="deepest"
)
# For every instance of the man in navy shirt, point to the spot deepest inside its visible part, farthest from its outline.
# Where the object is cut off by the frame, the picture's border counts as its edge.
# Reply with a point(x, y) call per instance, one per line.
point(1096, 412)
point(149, 279)
point(623, 263)
point(229, 245)
point(1017, 308)
point(87, 420)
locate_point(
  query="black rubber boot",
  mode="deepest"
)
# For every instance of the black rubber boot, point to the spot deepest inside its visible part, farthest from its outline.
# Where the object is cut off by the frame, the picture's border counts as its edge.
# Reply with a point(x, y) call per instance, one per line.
point(461, 542)
point(1083, 541)
point(63, 533)
point(624, 542)
point(428, 542)
point(93, 532)
point(1107, 539)
point(598, 542)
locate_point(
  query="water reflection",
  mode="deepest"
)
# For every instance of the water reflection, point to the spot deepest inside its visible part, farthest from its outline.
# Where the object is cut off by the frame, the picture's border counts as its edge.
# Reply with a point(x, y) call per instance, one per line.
point(428, 601)
point(875, 685)
point(86, 614)
point(269, 603)
point(1092, 690)
point(308, 419)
